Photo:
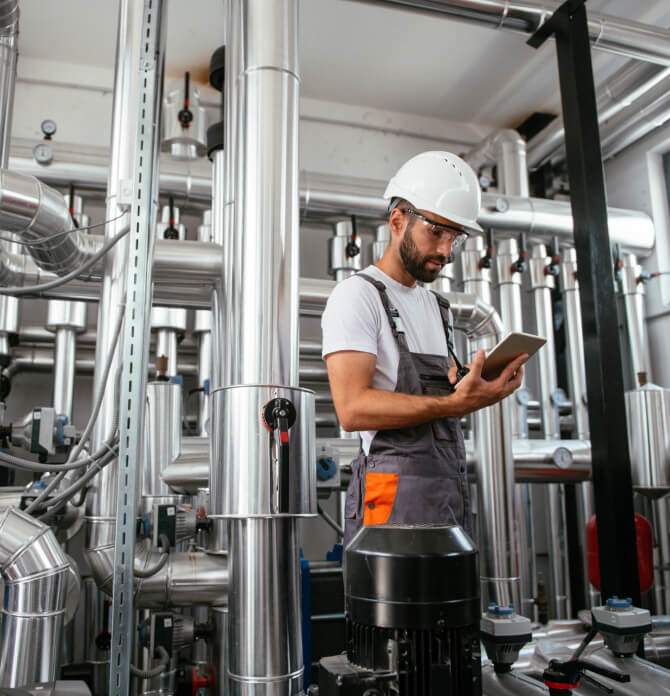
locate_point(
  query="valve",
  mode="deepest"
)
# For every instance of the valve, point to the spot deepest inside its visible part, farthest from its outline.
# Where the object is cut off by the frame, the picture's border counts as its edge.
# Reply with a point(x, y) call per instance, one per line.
point(519, 266)
point(171, 232)
point(352, 249)
point(190, 681)
point(562, 677)
point(71, 207)
point(185, 116)
point(617, 260)
point(485, 261)
point(278, 416)
point(551, 269)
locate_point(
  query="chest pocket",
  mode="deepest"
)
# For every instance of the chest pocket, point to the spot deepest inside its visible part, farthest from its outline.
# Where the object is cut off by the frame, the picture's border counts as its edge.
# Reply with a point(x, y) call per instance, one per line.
point(444, 429)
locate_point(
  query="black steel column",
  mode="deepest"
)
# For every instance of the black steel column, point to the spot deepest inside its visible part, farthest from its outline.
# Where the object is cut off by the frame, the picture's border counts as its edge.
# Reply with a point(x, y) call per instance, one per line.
point(612, 481)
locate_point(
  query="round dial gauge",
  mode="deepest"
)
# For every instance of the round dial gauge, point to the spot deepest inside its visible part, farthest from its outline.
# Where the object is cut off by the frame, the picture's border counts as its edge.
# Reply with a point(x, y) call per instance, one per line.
point(43, 153)
point(48, 127)
point(562, 457)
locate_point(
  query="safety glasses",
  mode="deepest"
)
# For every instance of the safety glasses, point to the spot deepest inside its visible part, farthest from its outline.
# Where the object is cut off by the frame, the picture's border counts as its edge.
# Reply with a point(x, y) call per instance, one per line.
point(439, 230)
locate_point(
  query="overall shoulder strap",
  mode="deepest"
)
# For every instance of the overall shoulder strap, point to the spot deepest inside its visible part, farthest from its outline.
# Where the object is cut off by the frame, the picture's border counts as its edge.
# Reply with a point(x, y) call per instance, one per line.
point(447, 319)
point(391, 312)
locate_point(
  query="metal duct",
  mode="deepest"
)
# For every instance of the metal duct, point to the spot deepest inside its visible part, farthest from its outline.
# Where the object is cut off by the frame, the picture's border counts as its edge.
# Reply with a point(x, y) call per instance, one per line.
point(507, 150)
point(35, 572)
point(541, 219)
point(612, 34)
point(626, 86)
point(36, 213)
point(494, 467)
point(184, 277)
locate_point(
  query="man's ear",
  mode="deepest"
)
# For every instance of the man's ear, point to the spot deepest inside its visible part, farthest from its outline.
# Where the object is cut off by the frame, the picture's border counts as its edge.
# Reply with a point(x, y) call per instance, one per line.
point(397, 222)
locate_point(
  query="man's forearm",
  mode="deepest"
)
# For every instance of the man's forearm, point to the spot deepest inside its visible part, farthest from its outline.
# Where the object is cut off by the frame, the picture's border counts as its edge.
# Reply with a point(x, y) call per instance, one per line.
point(376, 409)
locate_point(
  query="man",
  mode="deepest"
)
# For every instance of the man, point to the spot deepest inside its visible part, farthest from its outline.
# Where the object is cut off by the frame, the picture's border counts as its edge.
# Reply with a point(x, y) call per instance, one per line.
point(388, 347)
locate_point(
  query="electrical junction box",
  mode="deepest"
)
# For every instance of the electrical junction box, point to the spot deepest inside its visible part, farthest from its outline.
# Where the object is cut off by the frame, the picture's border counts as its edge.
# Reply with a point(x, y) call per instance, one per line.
point(42, 433)
point(165, 522)
point(162, 629)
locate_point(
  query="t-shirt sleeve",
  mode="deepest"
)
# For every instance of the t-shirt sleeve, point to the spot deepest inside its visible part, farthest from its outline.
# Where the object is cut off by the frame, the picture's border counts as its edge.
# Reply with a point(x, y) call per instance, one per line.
point(351, 318)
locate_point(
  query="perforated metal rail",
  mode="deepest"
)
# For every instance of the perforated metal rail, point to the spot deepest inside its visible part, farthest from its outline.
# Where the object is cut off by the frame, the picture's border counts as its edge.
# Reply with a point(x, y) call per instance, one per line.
point(143, 210)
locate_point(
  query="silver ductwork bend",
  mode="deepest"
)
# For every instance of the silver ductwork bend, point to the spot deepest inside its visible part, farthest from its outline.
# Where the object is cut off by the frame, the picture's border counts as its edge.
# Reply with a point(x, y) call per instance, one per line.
point(9, 17)
point(474, 316)
point(188, 578)
point(36, 213)
point(35, 573)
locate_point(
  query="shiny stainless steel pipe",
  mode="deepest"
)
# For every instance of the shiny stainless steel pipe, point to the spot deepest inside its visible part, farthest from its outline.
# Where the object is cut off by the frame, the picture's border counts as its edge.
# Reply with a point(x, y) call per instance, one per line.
point(476, 279)
point(612, 34)
point(542, 284)
point(64, 369)
point(628, 84)
point(633, 295)
point(35, 572)
point(507, 150)
point(494, 470)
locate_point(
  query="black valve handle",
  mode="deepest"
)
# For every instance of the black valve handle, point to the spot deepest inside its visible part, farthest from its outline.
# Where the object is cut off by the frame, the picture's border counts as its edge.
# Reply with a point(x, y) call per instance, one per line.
point(171, 232)
point(552, 268)
point(352, 249)
point(485, 261)
point(519, 266)
point(279, 416)
point(185, 116)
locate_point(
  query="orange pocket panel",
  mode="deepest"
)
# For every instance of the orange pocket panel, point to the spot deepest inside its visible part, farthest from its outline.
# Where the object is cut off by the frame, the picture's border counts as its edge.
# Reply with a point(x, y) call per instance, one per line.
point(380, 492)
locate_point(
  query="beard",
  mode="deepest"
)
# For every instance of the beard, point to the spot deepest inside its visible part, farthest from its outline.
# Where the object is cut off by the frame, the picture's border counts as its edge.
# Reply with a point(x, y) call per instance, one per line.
point(415, 264)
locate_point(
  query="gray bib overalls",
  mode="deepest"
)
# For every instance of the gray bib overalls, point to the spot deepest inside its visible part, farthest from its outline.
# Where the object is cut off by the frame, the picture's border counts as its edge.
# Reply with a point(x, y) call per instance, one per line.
point(414, 475)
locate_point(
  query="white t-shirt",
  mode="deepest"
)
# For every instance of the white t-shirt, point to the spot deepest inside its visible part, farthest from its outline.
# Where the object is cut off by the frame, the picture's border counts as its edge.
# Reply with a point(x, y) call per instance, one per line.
point(355, 319)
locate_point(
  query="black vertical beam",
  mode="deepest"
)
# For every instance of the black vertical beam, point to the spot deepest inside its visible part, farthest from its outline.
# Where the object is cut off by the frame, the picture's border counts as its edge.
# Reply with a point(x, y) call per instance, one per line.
point(613, 486)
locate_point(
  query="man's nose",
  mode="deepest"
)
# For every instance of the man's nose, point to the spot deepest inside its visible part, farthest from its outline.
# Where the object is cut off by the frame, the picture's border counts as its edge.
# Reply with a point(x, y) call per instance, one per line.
point(444, 246)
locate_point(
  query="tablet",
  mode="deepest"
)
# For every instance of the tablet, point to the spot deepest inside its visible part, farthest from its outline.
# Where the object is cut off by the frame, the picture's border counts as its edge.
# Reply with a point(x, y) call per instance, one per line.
point(512, 346)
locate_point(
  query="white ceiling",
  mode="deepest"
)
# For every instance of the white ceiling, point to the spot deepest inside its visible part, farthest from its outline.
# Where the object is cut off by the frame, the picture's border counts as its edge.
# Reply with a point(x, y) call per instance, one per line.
point(352, 53)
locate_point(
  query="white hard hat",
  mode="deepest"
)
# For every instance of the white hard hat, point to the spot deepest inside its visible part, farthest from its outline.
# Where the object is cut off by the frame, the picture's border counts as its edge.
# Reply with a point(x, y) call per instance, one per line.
point(441, 183)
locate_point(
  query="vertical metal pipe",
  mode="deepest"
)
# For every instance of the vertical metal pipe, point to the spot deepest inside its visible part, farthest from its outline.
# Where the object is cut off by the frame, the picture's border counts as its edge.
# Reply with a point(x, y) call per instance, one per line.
point(476, 280)
point(9, 306)
point(222, 205)
point(633, 294)
point(64, 369)
point(101, 503)
point(542, 285)
point(572, 312)
point(340, 264)
point(512, 317)
point(262, 66)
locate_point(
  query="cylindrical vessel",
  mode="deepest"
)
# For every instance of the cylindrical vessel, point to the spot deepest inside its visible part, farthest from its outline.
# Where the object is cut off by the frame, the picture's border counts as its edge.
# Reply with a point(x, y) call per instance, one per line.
point(35, 571)
point(648, 411)
point(257, 475)
point(340, 264)
point(163, 441)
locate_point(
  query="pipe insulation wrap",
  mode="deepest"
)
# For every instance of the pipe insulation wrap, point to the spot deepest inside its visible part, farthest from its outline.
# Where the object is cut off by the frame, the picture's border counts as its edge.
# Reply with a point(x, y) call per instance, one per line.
point(35, 573)
point(36, 213)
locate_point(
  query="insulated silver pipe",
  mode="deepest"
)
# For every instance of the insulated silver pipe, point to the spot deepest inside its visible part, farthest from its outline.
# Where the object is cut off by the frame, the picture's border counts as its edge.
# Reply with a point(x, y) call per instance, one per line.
point(35, 572)
point(572, 312)
point(35, 213)
point(64, 370)
point(494, 465)
point(542, 284)
point(265, 655)
point(166, 346)
point(612, 34)
point(620, 91)
point(633, 297)
point(507, 150)
point(9, 29)
point(476, 279)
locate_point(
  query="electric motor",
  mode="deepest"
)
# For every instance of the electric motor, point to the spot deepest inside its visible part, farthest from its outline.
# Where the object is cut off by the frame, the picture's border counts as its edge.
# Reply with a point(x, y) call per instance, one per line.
point(412, 614)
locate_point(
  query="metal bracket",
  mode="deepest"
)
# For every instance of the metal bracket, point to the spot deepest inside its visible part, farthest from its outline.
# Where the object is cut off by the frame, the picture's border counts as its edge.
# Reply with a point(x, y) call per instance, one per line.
point(136, 340)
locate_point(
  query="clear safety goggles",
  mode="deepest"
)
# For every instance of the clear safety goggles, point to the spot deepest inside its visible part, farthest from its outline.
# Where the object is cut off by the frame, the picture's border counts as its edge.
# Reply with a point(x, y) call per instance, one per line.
point(438, 230)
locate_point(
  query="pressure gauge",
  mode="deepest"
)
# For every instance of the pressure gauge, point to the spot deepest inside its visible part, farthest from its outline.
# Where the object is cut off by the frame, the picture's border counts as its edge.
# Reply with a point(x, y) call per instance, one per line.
point(562, 457)
point(43, 153)
point(48, 127)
